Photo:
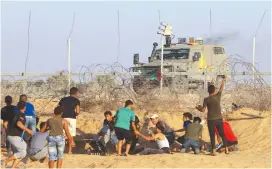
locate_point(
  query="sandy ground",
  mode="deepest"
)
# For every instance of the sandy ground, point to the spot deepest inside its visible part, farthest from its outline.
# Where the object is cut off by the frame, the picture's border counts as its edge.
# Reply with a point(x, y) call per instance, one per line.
point(254, 147)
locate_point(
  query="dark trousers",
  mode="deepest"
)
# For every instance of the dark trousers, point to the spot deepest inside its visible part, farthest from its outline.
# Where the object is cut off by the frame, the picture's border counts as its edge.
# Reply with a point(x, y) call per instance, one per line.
point(133, 143)
point(170, 137)
point(181, 140)
point(4, 136)
point(219, 126)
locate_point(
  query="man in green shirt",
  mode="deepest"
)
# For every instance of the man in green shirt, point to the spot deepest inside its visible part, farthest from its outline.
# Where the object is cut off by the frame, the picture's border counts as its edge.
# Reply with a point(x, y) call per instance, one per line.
point(124, 118)
point(193, 133)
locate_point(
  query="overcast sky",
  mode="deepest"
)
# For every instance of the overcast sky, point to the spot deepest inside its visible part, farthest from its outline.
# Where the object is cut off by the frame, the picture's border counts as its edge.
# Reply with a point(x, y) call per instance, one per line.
point(95, 40)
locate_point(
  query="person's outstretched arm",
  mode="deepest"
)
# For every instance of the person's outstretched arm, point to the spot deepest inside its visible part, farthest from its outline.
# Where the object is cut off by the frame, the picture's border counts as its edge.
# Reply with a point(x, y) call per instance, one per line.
point(22, 126)
point(42, 130)
point(223, 84)
point(145, 137)
point(202, 108)
point(180, 130)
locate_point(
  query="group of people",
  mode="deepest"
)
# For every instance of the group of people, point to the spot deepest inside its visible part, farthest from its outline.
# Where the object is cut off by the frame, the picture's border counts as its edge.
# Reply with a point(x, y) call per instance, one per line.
point(123, 130)
point(19, 122)
point(122, 127)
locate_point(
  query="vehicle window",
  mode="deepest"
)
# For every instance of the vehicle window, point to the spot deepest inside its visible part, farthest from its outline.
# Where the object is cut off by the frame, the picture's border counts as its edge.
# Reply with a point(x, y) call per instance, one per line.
point(218, 50)
point(175, 54)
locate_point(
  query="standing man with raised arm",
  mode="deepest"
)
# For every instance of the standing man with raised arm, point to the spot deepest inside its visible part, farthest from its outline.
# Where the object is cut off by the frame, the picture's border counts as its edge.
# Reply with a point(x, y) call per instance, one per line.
point(212, 103)
point(71, 109)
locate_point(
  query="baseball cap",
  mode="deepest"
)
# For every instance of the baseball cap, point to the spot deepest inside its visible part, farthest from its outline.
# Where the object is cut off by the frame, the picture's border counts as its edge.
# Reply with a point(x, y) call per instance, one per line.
point(154, 116)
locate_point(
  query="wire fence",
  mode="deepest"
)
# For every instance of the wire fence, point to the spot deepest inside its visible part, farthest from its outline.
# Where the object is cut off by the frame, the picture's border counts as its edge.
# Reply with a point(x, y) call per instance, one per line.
point(105, 86)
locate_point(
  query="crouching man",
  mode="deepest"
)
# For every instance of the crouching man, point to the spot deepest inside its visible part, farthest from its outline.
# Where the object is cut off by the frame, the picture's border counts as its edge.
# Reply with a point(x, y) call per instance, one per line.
point(160, 139)
point(192, 136)
point(15, 136)
point(38, 149)
point(107, 132)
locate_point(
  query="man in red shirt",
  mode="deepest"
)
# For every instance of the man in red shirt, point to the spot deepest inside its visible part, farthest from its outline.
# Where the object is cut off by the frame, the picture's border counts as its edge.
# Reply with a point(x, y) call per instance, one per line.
point(232, 140)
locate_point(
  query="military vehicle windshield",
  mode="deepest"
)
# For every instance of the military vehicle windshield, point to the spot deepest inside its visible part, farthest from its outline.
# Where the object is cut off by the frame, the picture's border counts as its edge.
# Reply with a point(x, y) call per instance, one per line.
point(174, 54)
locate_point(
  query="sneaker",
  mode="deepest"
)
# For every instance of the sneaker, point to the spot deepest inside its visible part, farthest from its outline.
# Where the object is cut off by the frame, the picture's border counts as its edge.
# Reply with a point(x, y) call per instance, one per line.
point(197, 151)
point(183, 150)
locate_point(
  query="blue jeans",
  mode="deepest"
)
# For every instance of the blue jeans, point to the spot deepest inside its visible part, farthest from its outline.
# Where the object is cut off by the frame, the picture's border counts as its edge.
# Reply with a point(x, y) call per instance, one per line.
point(56, 145)
point(195, 144)
point(109, 135)
point(30, 123)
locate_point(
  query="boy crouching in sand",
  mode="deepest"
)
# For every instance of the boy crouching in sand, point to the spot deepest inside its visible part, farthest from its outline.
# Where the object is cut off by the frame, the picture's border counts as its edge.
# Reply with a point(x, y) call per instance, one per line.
point(56, 141)
point(107, 132)
point(160, 139)
point(192, 136)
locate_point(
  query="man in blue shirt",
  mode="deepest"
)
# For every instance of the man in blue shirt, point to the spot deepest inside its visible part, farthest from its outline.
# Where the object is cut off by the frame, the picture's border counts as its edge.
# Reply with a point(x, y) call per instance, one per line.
point(29, 114)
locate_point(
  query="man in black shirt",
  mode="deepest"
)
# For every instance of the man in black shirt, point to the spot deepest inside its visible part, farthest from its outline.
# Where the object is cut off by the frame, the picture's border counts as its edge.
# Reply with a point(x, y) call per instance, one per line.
point(71, 109)
point(15, 132)
point(7, 112)
point(7, 115)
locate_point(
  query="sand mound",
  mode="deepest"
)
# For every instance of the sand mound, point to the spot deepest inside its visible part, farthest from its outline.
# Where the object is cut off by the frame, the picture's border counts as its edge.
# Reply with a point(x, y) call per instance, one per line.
point(254, 143)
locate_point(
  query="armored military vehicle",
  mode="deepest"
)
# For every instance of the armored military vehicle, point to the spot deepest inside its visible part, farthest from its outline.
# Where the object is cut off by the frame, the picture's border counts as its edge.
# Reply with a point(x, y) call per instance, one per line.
point(187, 66)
